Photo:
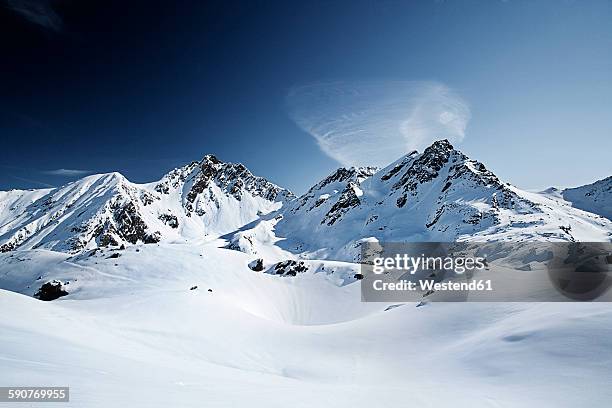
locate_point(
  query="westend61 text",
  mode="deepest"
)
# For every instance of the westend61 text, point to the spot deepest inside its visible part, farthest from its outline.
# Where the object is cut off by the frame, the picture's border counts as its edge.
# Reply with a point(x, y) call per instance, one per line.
point(429, 285)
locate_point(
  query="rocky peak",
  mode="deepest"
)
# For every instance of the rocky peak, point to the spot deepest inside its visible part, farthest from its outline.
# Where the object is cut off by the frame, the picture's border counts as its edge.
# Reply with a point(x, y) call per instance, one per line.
point(212, 159)
point(232, 178)
point(447, 170)
point(426, 167)
point(442, 145)
point(362, 173)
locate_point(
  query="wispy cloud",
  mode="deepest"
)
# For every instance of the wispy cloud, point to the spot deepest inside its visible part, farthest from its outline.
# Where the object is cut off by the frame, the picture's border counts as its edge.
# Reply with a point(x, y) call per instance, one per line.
point(66, 172)
point(375, 122)
point(38, 12)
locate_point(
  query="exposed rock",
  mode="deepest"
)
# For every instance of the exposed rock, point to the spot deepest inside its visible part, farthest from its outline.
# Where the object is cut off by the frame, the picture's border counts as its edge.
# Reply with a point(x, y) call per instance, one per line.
point(51, 291)
point(399, 167)
point(425, 167)
point(290, 268)
point(170, 220)
point(233, 179)
point(341, 176)
point(130, 225)
point(152, 238)
point(348, 199)
point(256, 265)
point(106, 240)
point(147, 198)
point(8, 247)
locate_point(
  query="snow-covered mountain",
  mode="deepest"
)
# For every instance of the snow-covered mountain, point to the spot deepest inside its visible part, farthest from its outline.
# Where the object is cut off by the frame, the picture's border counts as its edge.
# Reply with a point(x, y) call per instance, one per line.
point(213, 286)
point(202, 198)
point(438, 195)
point(595, 197)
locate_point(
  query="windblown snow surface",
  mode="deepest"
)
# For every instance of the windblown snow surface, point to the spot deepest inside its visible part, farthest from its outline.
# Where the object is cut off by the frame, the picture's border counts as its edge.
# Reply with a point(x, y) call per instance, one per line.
point(183, 321)
point(135, 336)
point(595, 197)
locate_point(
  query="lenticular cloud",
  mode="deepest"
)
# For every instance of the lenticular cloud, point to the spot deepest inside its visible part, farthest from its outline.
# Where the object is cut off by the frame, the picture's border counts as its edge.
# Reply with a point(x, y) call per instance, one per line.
point(374, 123)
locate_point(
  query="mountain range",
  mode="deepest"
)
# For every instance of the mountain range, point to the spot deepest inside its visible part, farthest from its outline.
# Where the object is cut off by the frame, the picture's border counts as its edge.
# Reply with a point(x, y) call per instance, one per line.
point(215, 287)
point(437, 195)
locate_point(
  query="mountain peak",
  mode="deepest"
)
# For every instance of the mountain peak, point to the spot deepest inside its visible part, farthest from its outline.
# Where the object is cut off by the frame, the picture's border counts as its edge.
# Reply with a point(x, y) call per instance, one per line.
point(442, 144)
point(211, 158)
point(439, 149)
point(205, 197)
point(427, 166)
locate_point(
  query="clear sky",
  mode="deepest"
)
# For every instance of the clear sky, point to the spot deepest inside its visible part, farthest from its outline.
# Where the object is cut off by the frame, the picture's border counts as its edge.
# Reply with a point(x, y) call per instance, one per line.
point(143, 87)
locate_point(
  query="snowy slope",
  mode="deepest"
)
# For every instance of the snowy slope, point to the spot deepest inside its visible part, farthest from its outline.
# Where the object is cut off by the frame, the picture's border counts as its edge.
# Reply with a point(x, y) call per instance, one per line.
point(131, 333)
point(595, 197)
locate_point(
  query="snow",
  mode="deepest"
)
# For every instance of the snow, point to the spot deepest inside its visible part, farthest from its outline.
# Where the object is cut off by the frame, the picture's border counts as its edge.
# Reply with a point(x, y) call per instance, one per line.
point(132, 331)
point(595, 197)
point(135, 335)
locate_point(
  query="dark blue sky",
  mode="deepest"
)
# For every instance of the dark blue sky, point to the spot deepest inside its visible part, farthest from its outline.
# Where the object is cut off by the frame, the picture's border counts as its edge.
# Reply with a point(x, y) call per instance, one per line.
point(143, 87)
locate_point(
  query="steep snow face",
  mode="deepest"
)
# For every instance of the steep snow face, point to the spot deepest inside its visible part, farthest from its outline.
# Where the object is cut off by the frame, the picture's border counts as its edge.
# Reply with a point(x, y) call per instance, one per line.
point(96, 210)
point(202, 198)
point(339, 187)
point(595, 198)
point(438, 195)
point(13, 205)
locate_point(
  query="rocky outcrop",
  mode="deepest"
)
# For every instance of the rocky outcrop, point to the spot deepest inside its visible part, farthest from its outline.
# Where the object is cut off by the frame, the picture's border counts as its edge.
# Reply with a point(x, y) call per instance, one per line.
point(337, 181)
point(348, 199)
point(256, 265)
point(289, 268)
point(170, 220)
point(51, 291)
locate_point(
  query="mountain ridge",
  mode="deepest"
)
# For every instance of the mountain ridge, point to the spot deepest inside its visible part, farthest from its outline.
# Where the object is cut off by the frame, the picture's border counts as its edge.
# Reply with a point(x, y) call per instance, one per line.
point(439, 194)
point(107, 209)
point(595, 197)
